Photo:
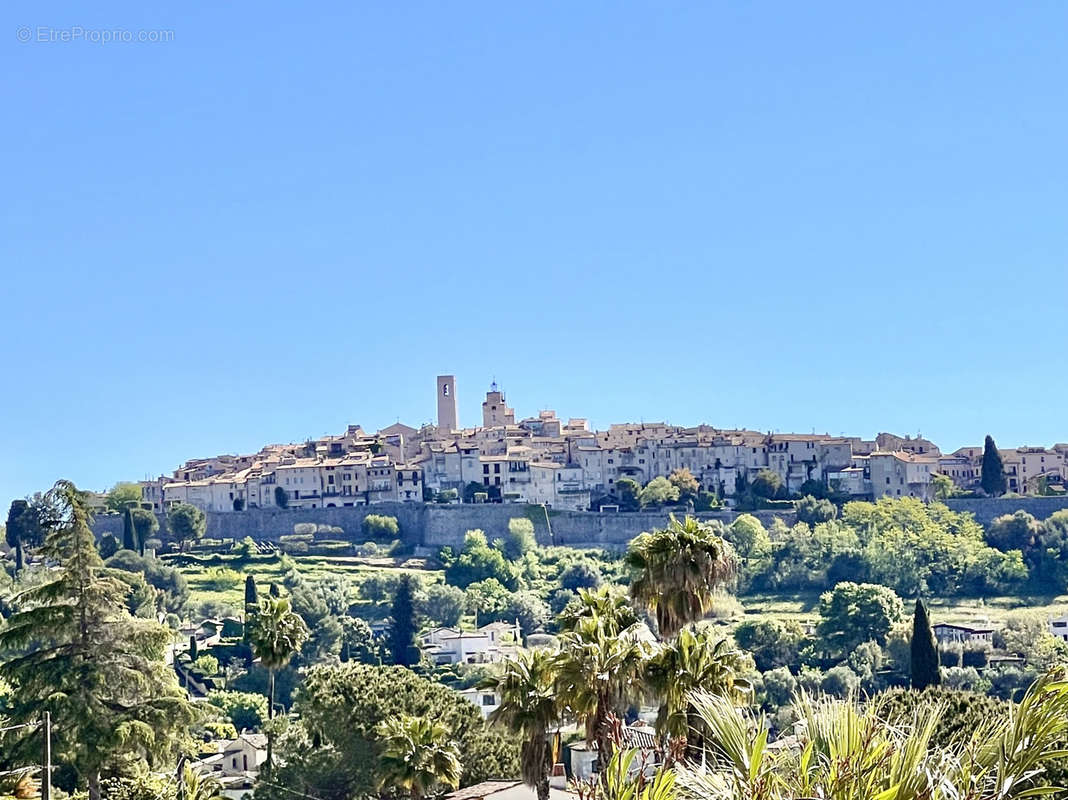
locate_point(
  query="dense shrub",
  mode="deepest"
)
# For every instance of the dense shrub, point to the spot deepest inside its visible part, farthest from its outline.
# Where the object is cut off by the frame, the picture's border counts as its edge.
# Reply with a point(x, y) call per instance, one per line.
point(964, 711)
point(246, 710)
point(379, 526)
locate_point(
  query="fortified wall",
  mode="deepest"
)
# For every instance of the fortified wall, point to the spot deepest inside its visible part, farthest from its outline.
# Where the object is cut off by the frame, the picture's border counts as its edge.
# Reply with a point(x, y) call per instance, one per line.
point(987, 509)
point(435, 526)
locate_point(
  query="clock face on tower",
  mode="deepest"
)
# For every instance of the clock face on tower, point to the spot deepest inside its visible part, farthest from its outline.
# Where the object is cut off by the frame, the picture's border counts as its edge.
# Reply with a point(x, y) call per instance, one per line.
point(445, 389)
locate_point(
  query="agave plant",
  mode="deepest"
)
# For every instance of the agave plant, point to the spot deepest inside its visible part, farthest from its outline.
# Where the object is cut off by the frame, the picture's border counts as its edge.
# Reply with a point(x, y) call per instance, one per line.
point(846, 752)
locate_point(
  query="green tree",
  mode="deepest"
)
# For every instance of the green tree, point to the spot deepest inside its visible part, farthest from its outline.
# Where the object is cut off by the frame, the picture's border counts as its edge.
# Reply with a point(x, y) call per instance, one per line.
point(627, 494)
point(418, 756)
point(772, 643)
point(146, 525)
point(657, 492)
point(358, 642)
point(678, 569)
point(198, 786)
point(79, 654)
point(123, 496)
point(923, 651)
point(598, 675)
point(1019, 531)
point(281, 497)
point(379, 526)
point(520, 538)
point(812, 511)
point(528, 708)
point(684, 480)
point(580, 574)
point(766, 484)
point(478, 562)
point(749, 538)
point(109, 546)
point(252, 595)
point(20, 529)
point(993, 470)
point(246, 710)
point(444, 605)
point(332, 751)
point(854, 613)
point(403, 624)
point(187, 523)
point(275, 633)
point(607, 606)
point(486, 599)
point(943, 485)
point(693, 661)
point(129, 530)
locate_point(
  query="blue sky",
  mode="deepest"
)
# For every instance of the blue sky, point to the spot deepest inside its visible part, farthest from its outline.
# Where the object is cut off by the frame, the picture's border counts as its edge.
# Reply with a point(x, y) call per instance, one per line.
point(285, 220)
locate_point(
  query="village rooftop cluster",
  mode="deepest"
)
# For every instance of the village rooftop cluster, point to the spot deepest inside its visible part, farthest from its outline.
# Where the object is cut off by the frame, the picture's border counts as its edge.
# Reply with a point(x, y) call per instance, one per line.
point(565, 465)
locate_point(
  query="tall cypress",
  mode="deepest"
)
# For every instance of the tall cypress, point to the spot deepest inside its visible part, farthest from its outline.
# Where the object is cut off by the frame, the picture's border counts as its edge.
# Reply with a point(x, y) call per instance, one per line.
point(403, 625)
point(993, 476)
point(924, 651)
point(15, 530)
point(252, 596)
point(129, 530)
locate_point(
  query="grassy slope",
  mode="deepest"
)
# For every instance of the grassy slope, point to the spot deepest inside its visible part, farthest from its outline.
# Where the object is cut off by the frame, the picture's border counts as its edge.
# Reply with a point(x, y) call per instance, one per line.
point(311, 567)
point(805, 607)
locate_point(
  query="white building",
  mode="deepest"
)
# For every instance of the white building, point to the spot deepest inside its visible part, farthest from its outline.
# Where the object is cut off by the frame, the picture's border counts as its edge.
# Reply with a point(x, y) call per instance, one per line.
point(488, 645)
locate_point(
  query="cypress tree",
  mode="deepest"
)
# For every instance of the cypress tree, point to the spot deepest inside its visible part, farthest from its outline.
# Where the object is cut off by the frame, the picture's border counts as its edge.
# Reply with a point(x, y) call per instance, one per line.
point(193, 652)
point(129, 531)
point(15, 530)
point(402, 629)
point(252, 596)
point(993, 476)
point(274, 591)
point(924, 651)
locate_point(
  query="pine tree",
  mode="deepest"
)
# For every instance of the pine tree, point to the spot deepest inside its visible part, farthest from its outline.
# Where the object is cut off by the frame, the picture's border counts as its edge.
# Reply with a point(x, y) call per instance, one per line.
point(993, 480)
point(78, 653)
point(129, 530)
point(924, 651)
point(403, 627)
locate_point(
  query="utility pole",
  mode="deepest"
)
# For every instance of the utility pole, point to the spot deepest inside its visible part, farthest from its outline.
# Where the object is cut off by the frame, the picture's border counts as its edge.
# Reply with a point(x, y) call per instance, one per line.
point(46, 766)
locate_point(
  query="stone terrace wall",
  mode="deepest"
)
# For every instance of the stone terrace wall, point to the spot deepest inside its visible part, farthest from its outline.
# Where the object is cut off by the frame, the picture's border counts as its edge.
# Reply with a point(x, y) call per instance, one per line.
point(987, 509)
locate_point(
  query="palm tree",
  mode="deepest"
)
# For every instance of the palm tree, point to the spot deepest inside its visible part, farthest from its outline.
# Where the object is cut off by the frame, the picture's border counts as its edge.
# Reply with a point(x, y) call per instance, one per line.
point(597, 674)
point(693, 661)
point(529, 708)
point(608, 604)
point(417, 755)
point(198, 787)
point(275, 634)
point(678, 570)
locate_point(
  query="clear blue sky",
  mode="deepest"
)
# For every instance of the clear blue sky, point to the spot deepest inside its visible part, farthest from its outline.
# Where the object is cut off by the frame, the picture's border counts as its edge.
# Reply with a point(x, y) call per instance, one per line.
point(781, 216)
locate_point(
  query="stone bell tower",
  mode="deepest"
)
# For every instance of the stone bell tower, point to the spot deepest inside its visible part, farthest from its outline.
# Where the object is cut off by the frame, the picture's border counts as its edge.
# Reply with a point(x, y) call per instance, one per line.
point(447, 418)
